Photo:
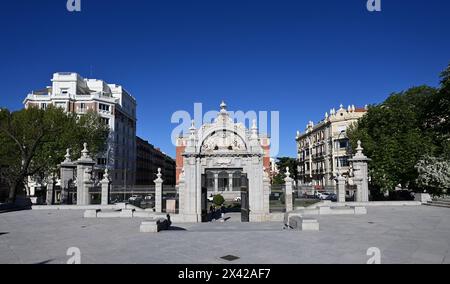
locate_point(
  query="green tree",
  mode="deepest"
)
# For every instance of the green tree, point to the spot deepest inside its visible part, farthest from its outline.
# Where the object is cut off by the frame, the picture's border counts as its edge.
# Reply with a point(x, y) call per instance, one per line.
point(394, 136)
point(437, 116)
point(218, 200)
point(34, 142)
point(282, 164)
point(408, 138)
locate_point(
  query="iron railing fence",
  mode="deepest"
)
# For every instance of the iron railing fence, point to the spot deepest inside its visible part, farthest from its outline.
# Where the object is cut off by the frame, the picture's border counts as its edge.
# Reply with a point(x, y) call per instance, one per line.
point(143, 196)
point(277, 198)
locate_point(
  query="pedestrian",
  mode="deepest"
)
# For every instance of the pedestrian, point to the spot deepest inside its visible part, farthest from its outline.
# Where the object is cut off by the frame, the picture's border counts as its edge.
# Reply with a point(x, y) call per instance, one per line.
point(212, 212)
point(222, 211)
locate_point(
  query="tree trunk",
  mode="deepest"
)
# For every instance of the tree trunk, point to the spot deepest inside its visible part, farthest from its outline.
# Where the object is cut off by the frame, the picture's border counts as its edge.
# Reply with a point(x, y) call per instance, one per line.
point(13, 193)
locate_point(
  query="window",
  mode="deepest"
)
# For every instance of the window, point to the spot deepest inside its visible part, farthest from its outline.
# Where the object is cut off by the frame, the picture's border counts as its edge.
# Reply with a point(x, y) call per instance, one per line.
point(210, 181)
point(64, 91)
point(61, 105)
point(101, 161)
point(82, 106)
point(343, 144)
point(44, 106)
point(103, 107)
point(342, 162)
point(104, 120)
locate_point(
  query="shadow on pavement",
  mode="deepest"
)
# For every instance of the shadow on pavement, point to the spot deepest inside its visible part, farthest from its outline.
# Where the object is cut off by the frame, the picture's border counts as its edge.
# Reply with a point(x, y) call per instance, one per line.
point(44, 262)
point(19, 205)
point(174, 228)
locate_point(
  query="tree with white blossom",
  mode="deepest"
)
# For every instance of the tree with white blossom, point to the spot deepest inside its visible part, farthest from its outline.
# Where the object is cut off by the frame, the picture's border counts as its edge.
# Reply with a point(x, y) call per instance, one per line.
point(434, 175)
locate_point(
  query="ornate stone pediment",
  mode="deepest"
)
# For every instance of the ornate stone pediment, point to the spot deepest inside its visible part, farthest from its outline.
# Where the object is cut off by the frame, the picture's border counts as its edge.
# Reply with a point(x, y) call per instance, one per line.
point(223, 161)
point(223, 141)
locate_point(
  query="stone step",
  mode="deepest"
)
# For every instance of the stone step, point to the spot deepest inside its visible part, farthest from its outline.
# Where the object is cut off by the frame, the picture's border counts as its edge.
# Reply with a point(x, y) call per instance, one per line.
point(447, 201)
point(439, 202)
point(436, 205)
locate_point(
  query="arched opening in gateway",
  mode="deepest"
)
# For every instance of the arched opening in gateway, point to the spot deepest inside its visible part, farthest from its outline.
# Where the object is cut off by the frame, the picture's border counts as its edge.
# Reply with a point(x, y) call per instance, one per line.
point(232, 185)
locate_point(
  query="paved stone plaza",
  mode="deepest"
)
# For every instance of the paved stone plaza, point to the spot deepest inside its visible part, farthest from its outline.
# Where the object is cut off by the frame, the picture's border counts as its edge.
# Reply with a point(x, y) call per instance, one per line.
point(403, 234)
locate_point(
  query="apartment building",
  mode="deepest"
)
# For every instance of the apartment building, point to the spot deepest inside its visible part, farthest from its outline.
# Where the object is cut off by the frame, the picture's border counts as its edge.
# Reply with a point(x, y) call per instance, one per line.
point(116, 107)
point(324, 150)
point(149, 159)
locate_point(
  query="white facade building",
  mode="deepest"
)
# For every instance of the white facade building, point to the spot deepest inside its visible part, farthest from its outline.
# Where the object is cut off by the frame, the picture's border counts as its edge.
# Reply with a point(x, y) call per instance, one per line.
point(324, 150)
point(112, 102)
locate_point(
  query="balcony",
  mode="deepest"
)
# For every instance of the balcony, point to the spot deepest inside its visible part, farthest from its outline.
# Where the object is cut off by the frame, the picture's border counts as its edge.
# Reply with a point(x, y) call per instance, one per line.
point(107, 112)
point(318, 171)
point(318, 156)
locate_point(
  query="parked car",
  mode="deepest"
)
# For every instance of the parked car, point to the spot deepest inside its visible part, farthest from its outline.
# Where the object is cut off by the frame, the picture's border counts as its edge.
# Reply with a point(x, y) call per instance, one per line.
point(275, 196)
point(322, 195)
point(332, 197)
point(134, 198)
point(307, 195)
point(211, 198)
point(237, 199)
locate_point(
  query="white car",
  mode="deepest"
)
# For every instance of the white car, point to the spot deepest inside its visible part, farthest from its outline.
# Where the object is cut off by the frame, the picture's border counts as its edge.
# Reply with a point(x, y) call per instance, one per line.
point(211, 198)
point(322, 195)
point(134, 198)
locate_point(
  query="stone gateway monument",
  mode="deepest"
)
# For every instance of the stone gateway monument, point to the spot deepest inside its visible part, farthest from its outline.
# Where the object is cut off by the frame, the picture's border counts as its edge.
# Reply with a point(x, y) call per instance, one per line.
point(225, 158)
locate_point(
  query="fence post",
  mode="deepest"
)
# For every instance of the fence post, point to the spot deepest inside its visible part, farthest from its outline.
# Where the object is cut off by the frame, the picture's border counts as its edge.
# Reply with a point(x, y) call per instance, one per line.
point(288, 191)
point(158, 192)
point(105, 188)
point(67, 173)
point(360, 167)
point(266, 185)
point(181, 193)
point(85, 165)
point(340, 183)
point(50, 192)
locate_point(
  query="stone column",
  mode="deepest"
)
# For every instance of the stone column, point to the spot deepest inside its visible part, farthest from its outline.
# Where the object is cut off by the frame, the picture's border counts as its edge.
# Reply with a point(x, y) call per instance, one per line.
point(50, 192)
point(158, 192)
point(360, 169)
point(266, 187)
point(230, 182)
point(288, 191)
point(198, 186)
point(182, 193)
point(105, 188)
point(340, 185)
point(67, 176)
point(88, 184)
point(190, 191)
point(358, 193)
point(85, 167)
point(216, 183)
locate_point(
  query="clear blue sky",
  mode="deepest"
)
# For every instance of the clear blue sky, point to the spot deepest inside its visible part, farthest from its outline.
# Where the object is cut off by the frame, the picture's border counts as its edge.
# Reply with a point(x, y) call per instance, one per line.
point(298, 57)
